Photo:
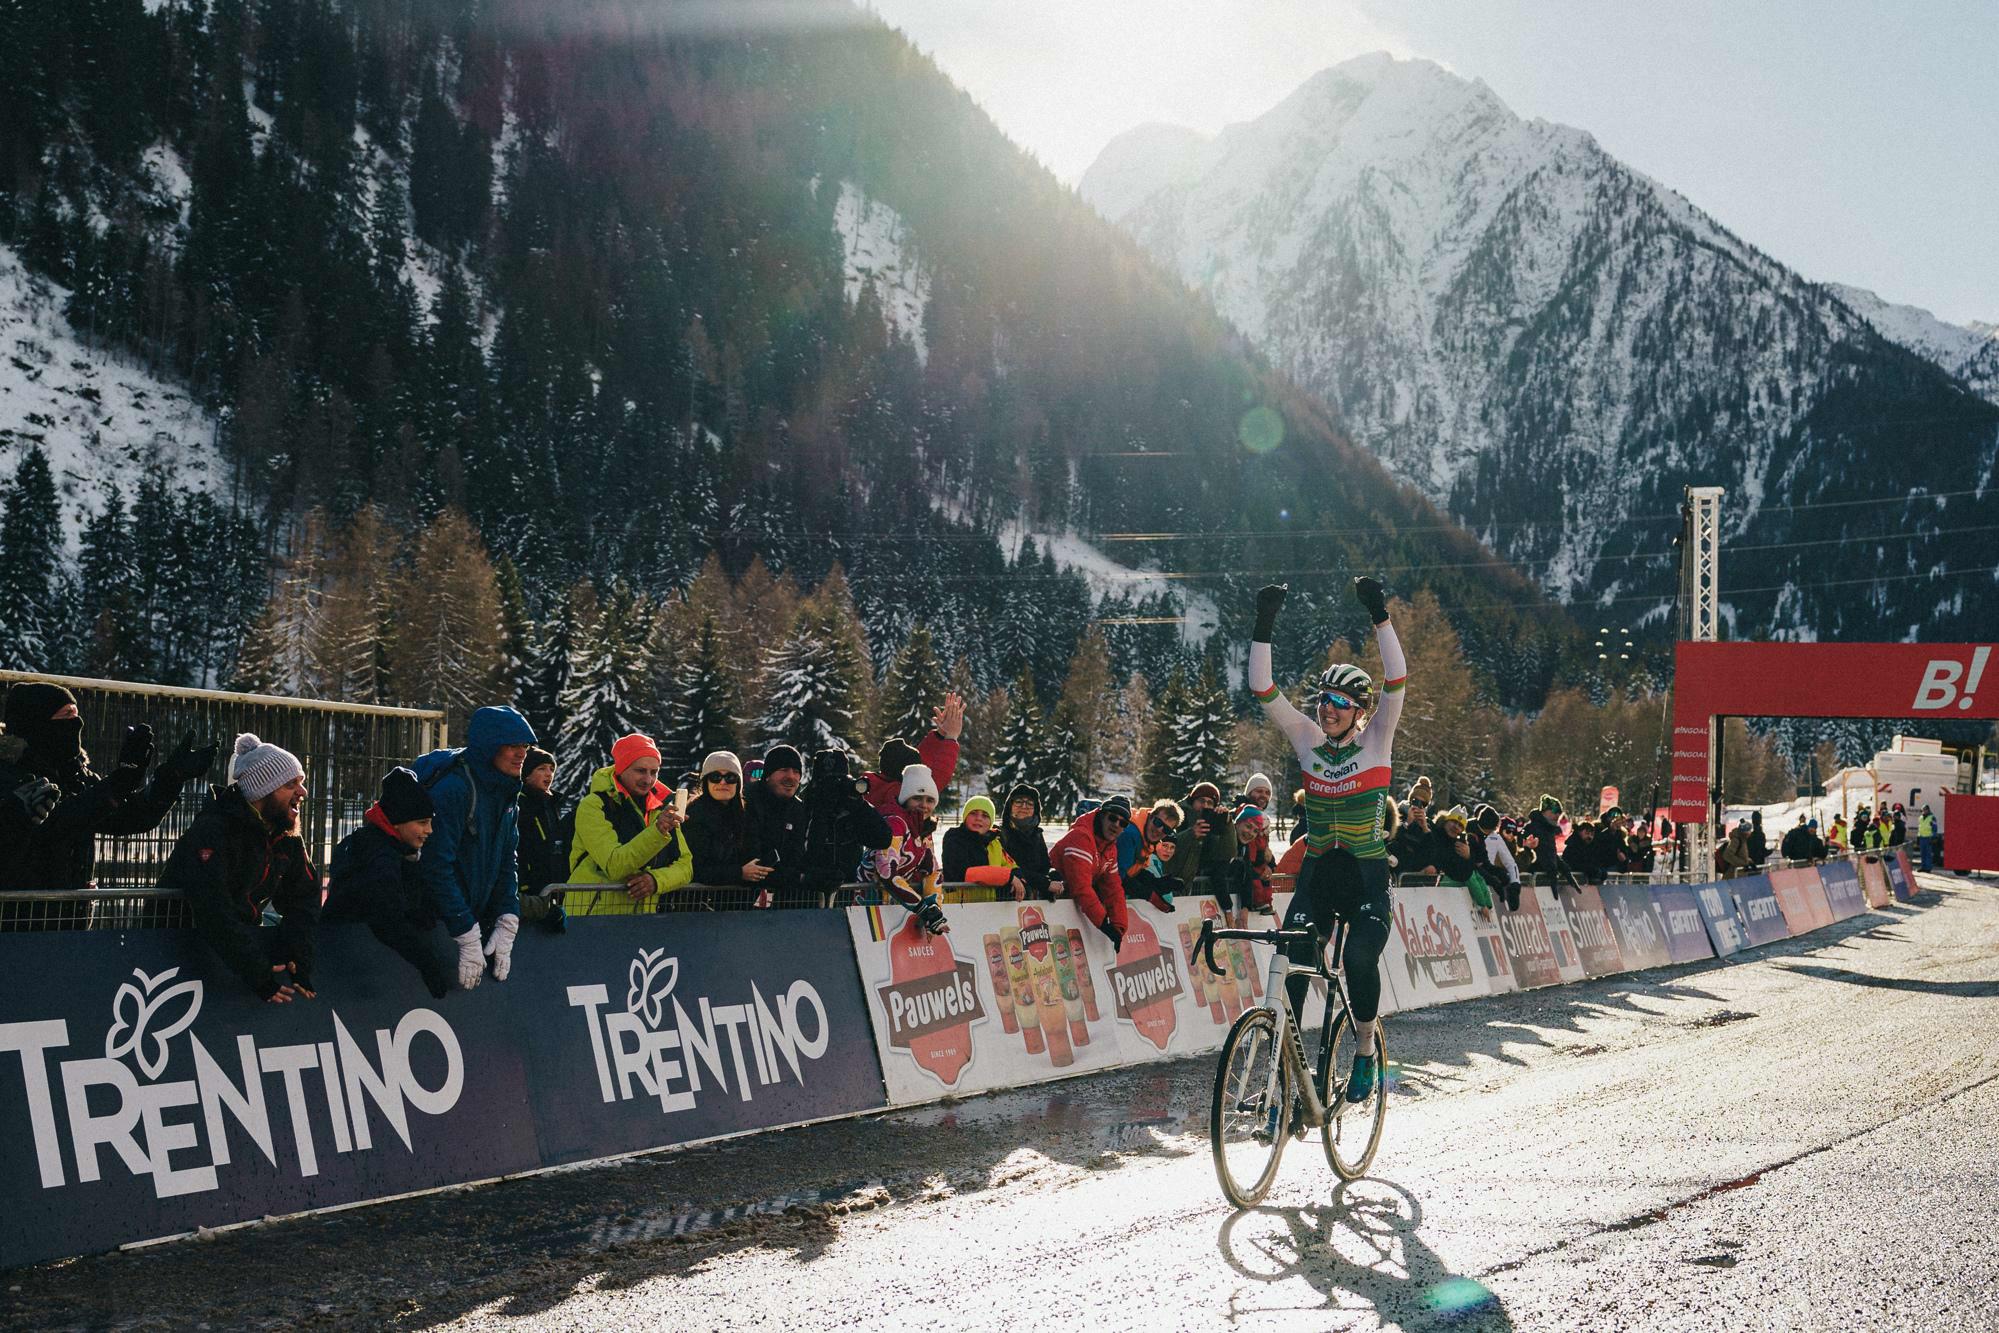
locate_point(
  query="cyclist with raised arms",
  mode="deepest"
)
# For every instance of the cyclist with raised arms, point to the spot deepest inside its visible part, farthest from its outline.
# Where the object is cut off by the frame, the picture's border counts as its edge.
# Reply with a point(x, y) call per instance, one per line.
point(1345, 758)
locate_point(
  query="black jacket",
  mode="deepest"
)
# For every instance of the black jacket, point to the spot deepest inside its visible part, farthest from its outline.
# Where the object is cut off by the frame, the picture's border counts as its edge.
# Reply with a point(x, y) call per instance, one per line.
point(718, 835)
point(1548, 831)
point(1195, 857)
point(543, 851)
point(840, 828)
point(774, 833)
point(61, 851)
point(964, 849)
point(230, 863)
point(1415, 848)
point(1025, 843)
point(375, 881)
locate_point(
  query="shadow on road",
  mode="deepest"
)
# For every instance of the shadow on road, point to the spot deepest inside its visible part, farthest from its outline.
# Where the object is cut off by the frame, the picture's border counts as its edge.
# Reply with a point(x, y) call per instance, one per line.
point(1967, 989)
point(1361, 1251)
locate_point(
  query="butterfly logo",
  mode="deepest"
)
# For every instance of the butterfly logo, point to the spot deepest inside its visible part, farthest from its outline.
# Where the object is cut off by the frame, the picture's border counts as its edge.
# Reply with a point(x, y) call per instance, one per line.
point(135, 1010)
point(652, 976)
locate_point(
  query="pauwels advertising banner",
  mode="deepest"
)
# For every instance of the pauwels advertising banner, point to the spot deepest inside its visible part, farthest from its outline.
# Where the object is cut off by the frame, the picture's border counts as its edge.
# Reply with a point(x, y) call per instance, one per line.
point(1843, 893)
point(1641, 934)
point(1166, 1001)
point(997, 1003)
point(1756, 904)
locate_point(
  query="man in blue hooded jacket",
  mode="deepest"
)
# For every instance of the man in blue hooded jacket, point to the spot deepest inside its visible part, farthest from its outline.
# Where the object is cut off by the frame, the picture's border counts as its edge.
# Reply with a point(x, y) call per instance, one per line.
point(468, 866)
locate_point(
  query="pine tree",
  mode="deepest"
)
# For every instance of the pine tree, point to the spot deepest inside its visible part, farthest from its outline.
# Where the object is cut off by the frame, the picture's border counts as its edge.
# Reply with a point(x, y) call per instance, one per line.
point(602, 703)
point(1122, 750)
point(1088, 708)
point(1203, 746)
point(351, 632)
point(814, 700)
point(564, 634)
point(115, 647)
point(700, 712)
point(517, 635)
point(445, 650)
point(280, 653)
point(33, 580)
point(1023, 743)
point(1058, 766)
point(914, 688)
point(1170, 716)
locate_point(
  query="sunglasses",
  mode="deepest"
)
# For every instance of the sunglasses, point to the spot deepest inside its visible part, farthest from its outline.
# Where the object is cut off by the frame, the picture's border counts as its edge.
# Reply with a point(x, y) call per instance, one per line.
point(1121, 819)
point(720, 779)
point(1334, 699)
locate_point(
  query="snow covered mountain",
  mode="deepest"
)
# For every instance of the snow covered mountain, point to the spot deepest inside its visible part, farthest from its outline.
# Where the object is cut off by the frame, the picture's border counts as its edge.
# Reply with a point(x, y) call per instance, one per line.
point(1969, 352)
point(1552, 345)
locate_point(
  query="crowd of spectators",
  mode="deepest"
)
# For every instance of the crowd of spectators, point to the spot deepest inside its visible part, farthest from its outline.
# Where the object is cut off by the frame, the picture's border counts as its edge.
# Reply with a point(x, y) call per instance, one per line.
point(461, 845)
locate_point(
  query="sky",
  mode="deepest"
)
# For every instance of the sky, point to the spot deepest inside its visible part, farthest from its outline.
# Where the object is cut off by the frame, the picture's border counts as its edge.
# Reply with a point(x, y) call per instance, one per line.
point(1855, 142)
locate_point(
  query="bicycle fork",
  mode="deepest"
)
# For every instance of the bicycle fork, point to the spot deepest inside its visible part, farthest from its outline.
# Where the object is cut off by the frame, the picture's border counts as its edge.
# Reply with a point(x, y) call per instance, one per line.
point(1290, 1052)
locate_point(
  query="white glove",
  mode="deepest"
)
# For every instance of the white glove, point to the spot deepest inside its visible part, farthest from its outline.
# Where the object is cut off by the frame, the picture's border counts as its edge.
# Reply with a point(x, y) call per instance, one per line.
point(471, 963)
point(500, 948)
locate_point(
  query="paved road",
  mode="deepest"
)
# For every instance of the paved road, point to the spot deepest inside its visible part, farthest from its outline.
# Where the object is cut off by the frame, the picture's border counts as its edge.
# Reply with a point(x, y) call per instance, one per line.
point(1804, 1138)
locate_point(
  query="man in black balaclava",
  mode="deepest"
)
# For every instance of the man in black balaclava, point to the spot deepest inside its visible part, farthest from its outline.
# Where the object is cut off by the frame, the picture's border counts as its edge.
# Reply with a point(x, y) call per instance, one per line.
point(54, 805)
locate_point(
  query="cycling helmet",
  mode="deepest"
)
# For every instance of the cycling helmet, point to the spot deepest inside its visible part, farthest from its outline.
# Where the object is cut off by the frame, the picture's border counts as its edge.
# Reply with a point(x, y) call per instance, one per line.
point(1349, 680)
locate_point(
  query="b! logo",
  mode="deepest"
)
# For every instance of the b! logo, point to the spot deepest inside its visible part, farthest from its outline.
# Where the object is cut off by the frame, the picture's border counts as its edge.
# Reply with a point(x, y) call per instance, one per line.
point(1940, 686)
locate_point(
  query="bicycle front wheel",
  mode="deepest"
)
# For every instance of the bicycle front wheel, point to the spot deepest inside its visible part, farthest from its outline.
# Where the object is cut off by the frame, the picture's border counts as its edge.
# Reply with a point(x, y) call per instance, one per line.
point(1352, 1131)
point(1251, 1115)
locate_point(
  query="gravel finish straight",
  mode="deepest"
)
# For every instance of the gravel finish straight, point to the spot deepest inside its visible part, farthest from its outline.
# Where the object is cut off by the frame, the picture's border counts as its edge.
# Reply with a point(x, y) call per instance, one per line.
point(1803, 1137)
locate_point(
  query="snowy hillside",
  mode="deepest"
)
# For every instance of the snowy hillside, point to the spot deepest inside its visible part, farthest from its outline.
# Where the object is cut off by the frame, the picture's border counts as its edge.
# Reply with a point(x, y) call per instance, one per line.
point(1969, 352)
point(1551, 345)
point(875, 252)
point(100, 417)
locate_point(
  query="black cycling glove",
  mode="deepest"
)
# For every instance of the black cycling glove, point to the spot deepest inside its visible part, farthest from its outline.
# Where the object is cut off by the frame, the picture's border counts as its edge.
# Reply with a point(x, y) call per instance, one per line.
point(1269, 601)
point(1367, 592)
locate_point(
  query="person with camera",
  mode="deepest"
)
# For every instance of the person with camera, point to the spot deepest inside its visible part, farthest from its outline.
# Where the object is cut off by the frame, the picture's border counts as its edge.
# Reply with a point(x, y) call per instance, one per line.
point(54, 805)
point(906, 869)
point(841, 827)
point(628, 830)
point(1204, 844)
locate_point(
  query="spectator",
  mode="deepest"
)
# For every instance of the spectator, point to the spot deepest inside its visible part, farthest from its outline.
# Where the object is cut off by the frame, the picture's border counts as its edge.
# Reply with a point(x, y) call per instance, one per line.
point(1835, 838)
point(1759, 846)
point(1257, 792)
point(1926, 837)
point(1150, 844)
point(374, 879)
point(1612, 852)
point(1505, 870)
point(1898, 828)
point(1413, 850)
point(974, 854)
point(243, 854)
point(1248, 885)
point(1797, 843)
point(906, 869)
point(1581, 856)
point(1638, 841)
point(840, 826)
point(470, 866)
point(718, 827)
point(1205, 842)
point(1087, 858)
point(1544, 836)
point(1020, 834)
point(1737, 858)
point(543, 855)
point(775, 827)
point(1453, 855)
point(1298, 818)
point(628, 829)
point(937, 751)
point(54, 806)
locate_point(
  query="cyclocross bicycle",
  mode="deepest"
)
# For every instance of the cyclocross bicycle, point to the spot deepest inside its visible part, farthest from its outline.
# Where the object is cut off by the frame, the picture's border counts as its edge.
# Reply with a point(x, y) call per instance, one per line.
point(1262, 1085)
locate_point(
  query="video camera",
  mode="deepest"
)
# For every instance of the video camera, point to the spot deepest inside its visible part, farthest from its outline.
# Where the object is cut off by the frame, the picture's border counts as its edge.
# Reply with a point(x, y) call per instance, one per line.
point(835, 773)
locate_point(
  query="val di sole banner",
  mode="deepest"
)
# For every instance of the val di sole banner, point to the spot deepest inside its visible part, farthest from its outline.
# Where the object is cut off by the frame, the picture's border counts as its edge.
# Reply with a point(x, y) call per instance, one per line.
point(1757, 908)
point(151, 1093)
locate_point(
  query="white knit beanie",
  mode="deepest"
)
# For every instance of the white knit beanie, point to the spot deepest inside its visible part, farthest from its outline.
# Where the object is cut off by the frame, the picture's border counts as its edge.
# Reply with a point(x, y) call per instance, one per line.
point(260, 769)
point(916, 781)
point(1259, 780)
point(722, 761)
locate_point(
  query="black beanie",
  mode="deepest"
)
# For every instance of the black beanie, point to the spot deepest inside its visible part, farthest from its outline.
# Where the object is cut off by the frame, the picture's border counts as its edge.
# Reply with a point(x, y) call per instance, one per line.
point(31, 709)
point(536, 758)
point(404, 797)
point(783, 756)
point(896, 755)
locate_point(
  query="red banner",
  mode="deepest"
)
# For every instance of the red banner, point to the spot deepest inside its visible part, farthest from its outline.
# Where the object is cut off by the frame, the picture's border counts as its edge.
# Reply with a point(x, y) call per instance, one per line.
point(1889, 680)
point(1972, 840)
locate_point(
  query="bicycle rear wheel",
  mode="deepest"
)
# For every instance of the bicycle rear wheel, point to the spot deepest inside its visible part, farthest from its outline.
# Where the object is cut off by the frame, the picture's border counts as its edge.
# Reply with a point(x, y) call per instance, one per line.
point(1352, 1131)
point(1251, 1115)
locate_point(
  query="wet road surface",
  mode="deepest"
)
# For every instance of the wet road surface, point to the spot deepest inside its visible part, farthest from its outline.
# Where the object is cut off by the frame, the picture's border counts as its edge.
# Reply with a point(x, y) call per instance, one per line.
point(1805, 1137)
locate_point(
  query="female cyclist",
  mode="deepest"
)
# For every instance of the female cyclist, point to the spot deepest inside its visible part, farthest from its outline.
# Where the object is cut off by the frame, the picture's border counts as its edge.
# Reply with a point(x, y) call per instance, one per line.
point(1345, 759)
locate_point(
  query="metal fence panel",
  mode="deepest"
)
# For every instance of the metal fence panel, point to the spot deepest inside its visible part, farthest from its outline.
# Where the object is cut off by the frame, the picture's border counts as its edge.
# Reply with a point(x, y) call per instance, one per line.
point(346, 748)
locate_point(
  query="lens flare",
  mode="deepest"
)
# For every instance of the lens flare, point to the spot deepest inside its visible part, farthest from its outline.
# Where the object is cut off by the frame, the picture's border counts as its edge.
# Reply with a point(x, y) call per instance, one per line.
point(1260, 430)
point(1459, 1296)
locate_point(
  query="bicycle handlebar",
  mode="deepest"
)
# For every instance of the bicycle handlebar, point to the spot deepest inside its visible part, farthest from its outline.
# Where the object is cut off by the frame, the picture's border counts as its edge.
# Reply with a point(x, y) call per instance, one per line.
point(1204, 946)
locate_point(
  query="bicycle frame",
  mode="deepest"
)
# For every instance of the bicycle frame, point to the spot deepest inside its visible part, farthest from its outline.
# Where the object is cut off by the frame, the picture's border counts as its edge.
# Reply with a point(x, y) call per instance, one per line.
point(1290, 1041)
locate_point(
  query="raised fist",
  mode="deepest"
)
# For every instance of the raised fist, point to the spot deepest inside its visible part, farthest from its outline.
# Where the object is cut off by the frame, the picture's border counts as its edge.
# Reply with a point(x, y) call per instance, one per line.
point(1367, 591)
point(1269, 601)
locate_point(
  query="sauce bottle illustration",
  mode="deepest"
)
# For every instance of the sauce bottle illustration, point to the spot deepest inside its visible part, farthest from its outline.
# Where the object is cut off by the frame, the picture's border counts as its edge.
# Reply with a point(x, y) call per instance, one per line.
point(914, 952)
point(1086, 982)
point(1050, 1011)
point(1020, 983)
point(1072, 995)
point(1002, 987)
point(1206, 986)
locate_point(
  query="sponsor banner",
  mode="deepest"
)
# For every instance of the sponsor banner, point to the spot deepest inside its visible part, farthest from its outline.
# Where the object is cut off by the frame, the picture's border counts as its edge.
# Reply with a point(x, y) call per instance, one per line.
point(1432, 949)
point(151, 1093)
point(1595, 940)
point(1719, 915)
point(997, 1003)
point(1843, 893)
point(1166, 1002)
point(642, 1031)
point(1901, 875)
point(1874, 881)
point(1641, 935)
point(1802, 898)
point(1757, 909)
point(1973, 821)
point(1529, 949)
point(1679, 911)
point(1568, 958)
point(1489, 950)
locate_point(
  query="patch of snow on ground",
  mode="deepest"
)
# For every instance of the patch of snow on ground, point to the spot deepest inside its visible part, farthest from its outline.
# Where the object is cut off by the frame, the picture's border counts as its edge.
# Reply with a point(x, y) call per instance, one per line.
point(100, 418)
point(873, 244)
point(169, 175)
point(1105, 576)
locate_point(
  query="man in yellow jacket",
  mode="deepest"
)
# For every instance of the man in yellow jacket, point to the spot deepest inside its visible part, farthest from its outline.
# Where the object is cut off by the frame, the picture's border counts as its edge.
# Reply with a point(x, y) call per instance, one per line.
point(627, 829)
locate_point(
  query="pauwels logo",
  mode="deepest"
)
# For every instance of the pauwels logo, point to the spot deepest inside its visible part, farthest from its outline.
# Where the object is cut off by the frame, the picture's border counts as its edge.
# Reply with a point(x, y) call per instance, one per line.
point(1947, 681)
point(931, 1001)
point(1145, 980)
point(134, 1111)
point(664, 1050)
point(1435, 947)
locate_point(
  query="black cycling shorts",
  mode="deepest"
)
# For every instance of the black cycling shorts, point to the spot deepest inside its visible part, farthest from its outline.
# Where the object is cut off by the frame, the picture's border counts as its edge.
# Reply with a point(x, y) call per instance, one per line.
point(1340, 885)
